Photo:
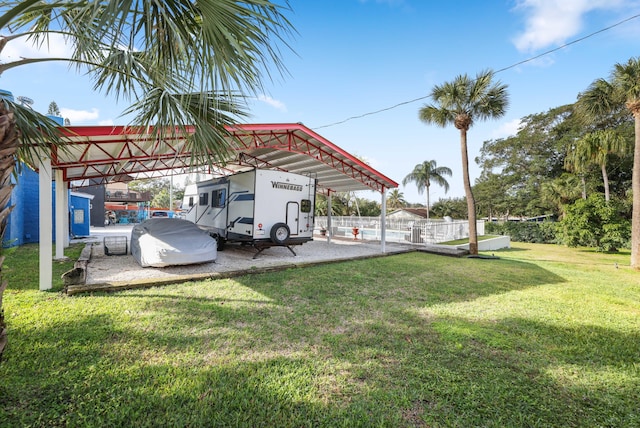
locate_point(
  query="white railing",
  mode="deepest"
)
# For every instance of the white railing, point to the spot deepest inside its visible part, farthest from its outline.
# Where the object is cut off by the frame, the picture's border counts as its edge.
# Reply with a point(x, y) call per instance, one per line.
point(399, 230)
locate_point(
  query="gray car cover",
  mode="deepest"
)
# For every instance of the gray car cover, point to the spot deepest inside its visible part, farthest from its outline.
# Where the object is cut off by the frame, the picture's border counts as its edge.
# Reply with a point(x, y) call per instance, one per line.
point(160, 242)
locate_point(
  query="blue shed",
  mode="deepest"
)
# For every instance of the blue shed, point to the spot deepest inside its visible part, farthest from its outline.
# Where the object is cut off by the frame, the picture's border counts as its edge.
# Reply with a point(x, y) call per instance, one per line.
point(80, 213)
point(23, 223)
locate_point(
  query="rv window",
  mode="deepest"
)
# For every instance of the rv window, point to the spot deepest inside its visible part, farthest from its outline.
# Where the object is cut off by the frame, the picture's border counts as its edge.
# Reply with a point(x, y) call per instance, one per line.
point(218, 198)
point(305, 206)
point(190, 201)
point(204, 199)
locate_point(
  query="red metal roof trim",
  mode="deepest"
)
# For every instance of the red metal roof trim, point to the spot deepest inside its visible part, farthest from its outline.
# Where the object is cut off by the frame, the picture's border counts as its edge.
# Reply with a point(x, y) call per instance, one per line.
point(105, 151)
point(297, 144)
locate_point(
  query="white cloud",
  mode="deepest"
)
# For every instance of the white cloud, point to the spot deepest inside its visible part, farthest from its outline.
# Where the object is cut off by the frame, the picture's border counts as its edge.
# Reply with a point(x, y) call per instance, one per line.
point(107, 122)
point(76, 116)
point(272, 102)
point(553, 22)
point(56, 47)
point(507, 129)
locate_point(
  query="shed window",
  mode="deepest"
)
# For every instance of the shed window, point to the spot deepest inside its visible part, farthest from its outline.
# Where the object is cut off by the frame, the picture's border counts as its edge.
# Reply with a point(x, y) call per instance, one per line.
point(78, 216)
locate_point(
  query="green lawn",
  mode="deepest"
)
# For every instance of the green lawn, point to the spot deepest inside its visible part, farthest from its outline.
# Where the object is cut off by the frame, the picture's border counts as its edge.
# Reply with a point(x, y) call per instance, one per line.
point(543, 336)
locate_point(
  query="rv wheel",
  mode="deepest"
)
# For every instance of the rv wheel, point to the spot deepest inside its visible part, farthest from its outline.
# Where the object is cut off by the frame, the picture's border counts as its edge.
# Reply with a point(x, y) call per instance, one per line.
point(219, 241)
point(280, 233)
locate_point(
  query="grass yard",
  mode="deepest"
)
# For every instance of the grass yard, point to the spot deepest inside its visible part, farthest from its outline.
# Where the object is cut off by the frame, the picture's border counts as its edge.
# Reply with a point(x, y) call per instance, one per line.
point(545, 336)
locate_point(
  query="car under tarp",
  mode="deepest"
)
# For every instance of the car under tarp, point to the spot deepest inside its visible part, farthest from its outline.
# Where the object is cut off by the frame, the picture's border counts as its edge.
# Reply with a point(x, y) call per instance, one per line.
point(161, 242)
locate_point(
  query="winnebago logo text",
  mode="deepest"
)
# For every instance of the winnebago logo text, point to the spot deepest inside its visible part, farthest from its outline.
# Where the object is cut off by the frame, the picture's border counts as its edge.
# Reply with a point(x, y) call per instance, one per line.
point(286, 186)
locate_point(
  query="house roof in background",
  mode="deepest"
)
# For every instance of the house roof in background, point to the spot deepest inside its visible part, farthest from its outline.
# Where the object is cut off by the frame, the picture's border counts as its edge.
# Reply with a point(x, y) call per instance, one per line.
point(418, 212)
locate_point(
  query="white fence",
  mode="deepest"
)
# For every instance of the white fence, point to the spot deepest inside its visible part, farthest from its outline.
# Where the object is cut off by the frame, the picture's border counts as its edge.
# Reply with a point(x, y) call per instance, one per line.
point(399, 230)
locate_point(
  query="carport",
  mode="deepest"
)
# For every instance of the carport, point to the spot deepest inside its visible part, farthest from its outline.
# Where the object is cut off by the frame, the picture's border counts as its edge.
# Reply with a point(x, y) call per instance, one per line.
point(109, 153)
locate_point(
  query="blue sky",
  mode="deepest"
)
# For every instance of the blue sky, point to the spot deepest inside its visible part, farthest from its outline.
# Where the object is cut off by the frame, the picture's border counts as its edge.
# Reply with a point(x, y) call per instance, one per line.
point(354, 57)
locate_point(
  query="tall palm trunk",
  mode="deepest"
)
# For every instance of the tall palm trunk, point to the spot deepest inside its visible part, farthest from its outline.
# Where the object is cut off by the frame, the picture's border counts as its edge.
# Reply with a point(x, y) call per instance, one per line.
point(605, 180)
point(8, 147)
point(635, 189)
point(471, 203)
point(428, 201)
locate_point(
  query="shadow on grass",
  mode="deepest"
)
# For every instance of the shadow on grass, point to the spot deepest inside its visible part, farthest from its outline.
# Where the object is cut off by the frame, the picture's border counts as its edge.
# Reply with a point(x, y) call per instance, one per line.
point(511, 250)
point(93, 372)
point(420, 277)
point(313, 361)
point(519, 372)
point(337, 345)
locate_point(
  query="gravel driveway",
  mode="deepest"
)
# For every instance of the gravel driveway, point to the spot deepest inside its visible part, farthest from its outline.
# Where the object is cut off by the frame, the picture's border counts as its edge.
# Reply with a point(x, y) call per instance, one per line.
point(123, 269)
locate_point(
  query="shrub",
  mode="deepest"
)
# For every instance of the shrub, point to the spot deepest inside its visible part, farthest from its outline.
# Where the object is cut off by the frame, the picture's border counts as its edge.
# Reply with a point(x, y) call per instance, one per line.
point(538, 233)
point(594, 222)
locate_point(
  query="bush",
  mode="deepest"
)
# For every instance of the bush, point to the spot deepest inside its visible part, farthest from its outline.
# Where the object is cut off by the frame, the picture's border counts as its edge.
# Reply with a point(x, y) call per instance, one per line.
point(594, 222)
point(537, 233)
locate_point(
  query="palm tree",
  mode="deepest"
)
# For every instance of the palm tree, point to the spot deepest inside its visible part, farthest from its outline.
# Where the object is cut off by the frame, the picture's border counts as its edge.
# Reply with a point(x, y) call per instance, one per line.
point(626, 80)
point(600, 106)
point(180, 63)
point(595, 148)
point(396, 199)
point(460, 103)
point(426, 172)
point(560, 192)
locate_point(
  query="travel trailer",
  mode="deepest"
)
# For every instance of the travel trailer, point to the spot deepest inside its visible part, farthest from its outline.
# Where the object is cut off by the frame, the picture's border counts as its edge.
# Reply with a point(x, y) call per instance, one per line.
point(260, 206)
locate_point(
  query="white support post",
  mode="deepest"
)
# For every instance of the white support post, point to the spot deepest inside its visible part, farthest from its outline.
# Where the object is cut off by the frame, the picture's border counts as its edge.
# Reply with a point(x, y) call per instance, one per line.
point(383, 221)
point(329, 230)
point(67, 226)
point(61, 213)
point(46, 223)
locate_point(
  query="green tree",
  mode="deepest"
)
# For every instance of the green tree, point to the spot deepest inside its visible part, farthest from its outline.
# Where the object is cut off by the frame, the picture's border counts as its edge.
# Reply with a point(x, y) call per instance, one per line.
point(426, 172)
point(595, 147)
point(514, 168)
point(180, 63)
point(53, 109)
point(161, 191)
point(626, 80)
point(600, 106)
point(396, 199)
point(161, 199)
point(491, 192)
point(452, 207)
point(597, 223)
point(462, 102)
point(339, 204)
point(369, 208)
point(559, 192)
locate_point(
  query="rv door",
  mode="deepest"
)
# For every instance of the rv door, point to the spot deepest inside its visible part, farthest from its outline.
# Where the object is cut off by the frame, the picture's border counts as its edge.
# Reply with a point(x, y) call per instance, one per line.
point(293, 218)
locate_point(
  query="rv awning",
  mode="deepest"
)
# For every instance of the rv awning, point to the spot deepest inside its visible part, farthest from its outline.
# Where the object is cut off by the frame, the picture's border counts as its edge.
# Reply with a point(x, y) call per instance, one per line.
point(109, 153)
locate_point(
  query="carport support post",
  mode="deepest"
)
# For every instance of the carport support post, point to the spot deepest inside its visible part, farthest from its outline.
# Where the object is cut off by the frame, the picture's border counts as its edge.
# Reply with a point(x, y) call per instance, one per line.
point(65, 218)
point(329, 217)
point(383, 220)
point(60, 214)
point(45, 250)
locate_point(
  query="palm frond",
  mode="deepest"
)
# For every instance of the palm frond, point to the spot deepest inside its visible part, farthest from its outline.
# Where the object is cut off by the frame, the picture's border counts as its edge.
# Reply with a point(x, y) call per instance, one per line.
point(199, 117)
point(36, 131)
point(186, 65)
